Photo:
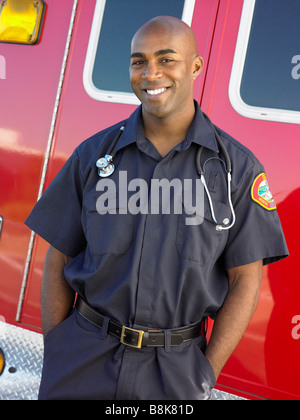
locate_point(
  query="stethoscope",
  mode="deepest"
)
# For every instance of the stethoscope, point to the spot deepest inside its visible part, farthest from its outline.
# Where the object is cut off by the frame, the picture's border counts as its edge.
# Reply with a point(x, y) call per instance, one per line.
point(106, 168)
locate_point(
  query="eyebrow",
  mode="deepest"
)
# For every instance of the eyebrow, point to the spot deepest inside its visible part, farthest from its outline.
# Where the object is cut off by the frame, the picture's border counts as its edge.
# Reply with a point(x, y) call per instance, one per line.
point(156, 54)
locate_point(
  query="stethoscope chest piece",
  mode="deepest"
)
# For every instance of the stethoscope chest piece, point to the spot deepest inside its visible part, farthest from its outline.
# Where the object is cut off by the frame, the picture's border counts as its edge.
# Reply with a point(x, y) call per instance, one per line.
point(105, 166)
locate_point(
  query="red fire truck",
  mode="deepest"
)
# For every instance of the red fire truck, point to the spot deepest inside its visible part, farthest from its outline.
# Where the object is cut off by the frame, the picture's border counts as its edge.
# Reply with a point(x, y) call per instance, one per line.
point(63, 77)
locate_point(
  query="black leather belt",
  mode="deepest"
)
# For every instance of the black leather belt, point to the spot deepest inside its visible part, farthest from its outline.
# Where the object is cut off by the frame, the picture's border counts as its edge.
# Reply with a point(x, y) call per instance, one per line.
point(139, 338)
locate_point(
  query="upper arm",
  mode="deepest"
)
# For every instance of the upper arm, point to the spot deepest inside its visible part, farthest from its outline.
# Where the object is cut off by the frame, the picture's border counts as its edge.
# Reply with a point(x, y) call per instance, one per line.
point(55, 260)
point(248, 274)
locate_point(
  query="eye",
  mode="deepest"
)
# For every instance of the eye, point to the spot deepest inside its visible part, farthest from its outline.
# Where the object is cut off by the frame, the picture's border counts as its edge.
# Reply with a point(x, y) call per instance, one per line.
point(167, 60)
point(138, 63)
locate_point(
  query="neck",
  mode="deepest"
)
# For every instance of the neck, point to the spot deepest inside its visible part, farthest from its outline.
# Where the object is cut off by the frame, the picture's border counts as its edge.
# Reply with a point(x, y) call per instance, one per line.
point(166, 132)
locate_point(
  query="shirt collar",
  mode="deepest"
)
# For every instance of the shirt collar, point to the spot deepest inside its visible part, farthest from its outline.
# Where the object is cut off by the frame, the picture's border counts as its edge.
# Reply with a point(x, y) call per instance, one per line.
point(130, 133)
point(200, 131)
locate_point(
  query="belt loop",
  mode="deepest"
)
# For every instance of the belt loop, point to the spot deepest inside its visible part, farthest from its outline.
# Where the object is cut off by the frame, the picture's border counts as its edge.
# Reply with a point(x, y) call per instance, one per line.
point(104, 328)
point(167, 340)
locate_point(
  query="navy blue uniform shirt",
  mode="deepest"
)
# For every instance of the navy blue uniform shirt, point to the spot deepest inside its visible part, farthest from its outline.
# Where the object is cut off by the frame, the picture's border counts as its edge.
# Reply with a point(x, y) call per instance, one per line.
point(161, 267)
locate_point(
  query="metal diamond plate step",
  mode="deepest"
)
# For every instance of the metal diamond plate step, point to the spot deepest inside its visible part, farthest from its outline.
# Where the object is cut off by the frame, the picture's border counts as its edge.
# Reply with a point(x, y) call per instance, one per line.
point(23, 365)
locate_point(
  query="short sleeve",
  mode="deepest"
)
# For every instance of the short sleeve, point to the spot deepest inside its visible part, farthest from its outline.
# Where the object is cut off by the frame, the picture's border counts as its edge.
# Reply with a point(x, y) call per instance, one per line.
point(57, 215)
point(257, 233)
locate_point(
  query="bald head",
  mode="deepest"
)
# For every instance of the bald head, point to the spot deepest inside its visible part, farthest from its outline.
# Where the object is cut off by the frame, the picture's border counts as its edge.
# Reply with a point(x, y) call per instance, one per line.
point(164, 65)
point(172, 26)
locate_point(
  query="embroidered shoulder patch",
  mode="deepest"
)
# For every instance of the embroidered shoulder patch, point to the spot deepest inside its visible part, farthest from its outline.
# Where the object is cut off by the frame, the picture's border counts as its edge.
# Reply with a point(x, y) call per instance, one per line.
point(261, 194)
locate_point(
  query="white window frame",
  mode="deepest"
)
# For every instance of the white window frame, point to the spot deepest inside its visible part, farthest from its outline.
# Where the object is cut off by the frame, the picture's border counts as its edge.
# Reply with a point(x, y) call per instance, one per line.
point(106, 95)
point(259, 113)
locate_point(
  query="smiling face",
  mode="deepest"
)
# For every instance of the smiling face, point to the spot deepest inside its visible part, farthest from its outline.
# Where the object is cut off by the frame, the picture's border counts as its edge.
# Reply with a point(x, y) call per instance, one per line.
point(164, 64)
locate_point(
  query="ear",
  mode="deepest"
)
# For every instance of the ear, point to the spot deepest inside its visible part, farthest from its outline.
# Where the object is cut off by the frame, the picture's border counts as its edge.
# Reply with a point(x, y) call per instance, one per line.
point(197, 66)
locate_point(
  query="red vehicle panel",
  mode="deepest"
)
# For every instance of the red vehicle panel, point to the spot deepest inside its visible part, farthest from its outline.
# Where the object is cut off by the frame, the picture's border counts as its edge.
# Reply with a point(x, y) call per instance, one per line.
point(264, 365)
point(26, 108)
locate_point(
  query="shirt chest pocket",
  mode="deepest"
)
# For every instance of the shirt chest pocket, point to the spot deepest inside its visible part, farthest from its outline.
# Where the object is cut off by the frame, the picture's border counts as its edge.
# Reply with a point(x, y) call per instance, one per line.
point(197, 238)
point(109, 226)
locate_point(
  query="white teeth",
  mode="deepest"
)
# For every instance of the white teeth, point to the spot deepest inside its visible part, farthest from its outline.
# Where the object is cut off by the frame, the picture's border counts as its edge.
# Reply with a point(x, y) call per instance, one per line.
point(156, 91)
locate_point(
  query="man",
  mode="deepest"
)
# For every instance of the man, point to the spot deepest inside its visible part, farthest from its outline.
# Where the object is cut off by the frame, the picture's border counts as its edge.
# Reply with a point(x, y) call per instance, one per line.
point(151, 278)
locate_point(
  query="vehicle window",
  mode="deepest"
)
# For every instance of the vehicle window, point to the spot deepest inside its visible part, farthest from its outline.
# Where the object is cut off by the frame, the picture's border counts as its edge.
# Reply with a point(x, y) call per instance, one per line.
point(265, 80)
point(106, 76)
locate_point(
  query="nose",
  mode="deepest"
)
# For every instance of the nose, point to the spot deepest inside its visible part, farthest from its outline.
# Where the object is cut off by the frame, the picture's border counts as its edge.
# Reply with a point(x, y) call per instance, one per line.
point(152, 71)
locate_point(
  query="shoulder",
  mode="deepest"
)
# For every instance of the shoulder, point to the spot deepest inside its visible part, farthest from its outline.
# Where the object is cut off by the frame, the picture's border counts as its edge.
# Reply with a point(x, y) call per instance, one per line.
point(237, 148)
point(100, 140)
point(244, 162)
point(91, 149)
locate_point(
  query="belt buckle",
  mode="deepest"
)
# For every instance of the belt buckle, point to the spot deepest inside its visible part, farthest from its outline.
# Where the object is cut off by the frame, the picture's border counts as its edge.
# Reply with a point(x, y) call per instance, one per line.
point(140, 337)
